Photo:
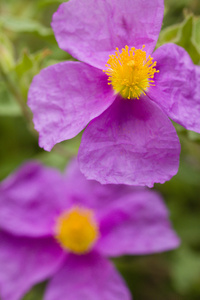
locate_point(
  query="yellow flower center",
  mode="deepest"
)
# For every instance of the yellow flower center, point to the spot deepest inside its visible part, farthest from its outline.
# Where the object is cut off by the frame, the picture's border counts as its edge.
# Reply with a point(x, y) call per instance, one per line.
point(77, 230)
point(130, 72)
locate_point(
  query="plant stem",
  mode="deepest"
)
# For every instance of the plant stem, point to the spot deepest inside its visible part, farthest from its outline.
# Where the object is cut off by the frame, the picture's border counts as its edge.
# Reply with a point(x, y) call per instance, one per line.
point(18, 97)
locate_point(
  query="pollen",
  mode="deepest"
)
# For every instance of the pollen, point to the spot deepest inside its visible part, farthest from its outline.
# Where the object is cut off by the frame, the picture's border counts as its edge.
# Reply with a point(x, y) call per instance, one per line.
point(130, 72)
point(76, 230)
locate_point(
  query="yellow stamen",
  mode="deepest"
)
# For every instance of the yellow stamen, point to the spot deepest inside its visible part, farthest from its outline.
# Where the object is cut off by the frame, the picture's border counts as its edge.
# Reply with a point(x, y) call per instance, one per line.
point(77, 230)
point(130, 72)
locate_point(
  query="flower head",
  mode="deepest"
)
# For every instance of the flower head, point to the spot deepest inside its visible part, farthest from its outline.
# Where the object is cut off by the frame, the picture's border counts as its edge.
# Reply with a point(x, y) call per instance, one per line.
point(124, 91)
point(64, 228)
point(130, 72)
point(77, 230)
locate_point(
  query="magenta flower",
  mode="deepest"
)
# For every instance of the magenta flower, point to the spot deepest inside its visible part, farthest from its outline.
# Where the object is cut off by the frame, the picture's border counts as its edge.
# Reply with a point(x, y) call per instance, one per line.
point(125, 95)
point(65, 227)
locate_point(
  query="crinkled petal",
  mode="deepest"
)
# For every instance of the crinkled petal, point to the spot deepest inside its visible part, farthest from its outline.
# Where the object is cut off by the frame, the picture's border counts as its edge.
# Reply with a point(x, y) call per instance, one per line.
point(137, 223)
point(91, 30)
point(90, 277)
point(132, 142)
point(92, 194)
point(25, 262)
point(135, 216)
point(197, 68)
point(177, 86)
point(64, 98)
point(30, 200)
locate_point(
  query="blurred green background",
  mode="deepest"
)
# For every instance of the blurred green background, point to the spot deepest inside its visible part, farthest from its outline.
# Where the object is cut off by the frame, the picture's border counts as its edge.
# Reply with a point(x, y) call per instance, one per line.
point(27, 44)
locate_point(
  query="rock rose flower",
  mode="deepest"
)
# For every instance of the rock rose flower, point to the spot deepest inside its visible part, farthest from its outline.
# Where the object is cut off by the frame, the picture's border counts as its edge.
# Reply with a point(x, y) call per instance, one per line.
point(123, 91)
point(63, 228)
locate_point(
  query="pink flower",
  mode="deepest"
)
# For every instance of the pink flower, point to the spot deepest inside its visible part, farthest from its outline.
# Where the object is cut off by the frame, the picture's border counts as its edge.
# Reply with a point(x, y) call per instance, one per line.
point(125, 95)
point(63, 228)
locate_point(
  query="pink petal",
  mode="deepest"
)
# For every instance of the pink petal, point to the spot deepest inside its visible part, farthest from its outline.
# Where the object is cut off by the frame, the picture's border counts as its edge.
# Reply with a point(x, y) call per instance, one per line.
point(137, 223)
point(64, 98)
point(90, 193)
point(91, 30)
point(88, 277)
point(30, 200)
point(132, 142)
point(25, 262)
point(177, 88)
point(135, 216)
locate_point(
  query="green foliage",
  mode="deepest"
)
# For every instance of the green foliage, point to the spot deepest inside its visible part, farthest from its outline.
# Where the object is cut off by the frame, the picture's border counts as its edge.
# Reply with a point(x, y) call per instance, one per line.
point(26, 67)
point(186, 270)
point(36, 292)
point(19, 25)
point(186, 35)
point(27, 45)
point(197, 31)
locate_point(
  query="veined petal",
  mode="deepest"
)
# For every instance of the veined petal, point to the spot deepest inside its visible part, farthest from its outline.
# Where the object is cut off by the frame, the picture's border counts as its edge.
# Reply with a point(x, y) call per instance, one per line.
point(177, 86)
point(30, 200)
point(25, 262)
point(132, 142)
point(90, 277)
point(91, 30)
point(64, 98)
point(135, 216)
point(92, 194)
point(137, 223)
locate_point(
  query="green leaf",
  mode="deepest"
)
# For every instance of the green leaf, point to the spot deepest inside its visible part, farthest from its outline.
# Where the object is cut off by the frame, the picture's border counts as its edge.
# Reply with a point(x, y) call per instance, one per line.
point(27, 67)
point(25, 25)
point(10, 110)
point(50, 2)
point(8, 106)
point(186, 269)
point(169, 34)
point(36, 292)
point(186, 39)
point(186, 35)
point(25, 64)
point(193, 136)
point(6, 53)
point(197, 31)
